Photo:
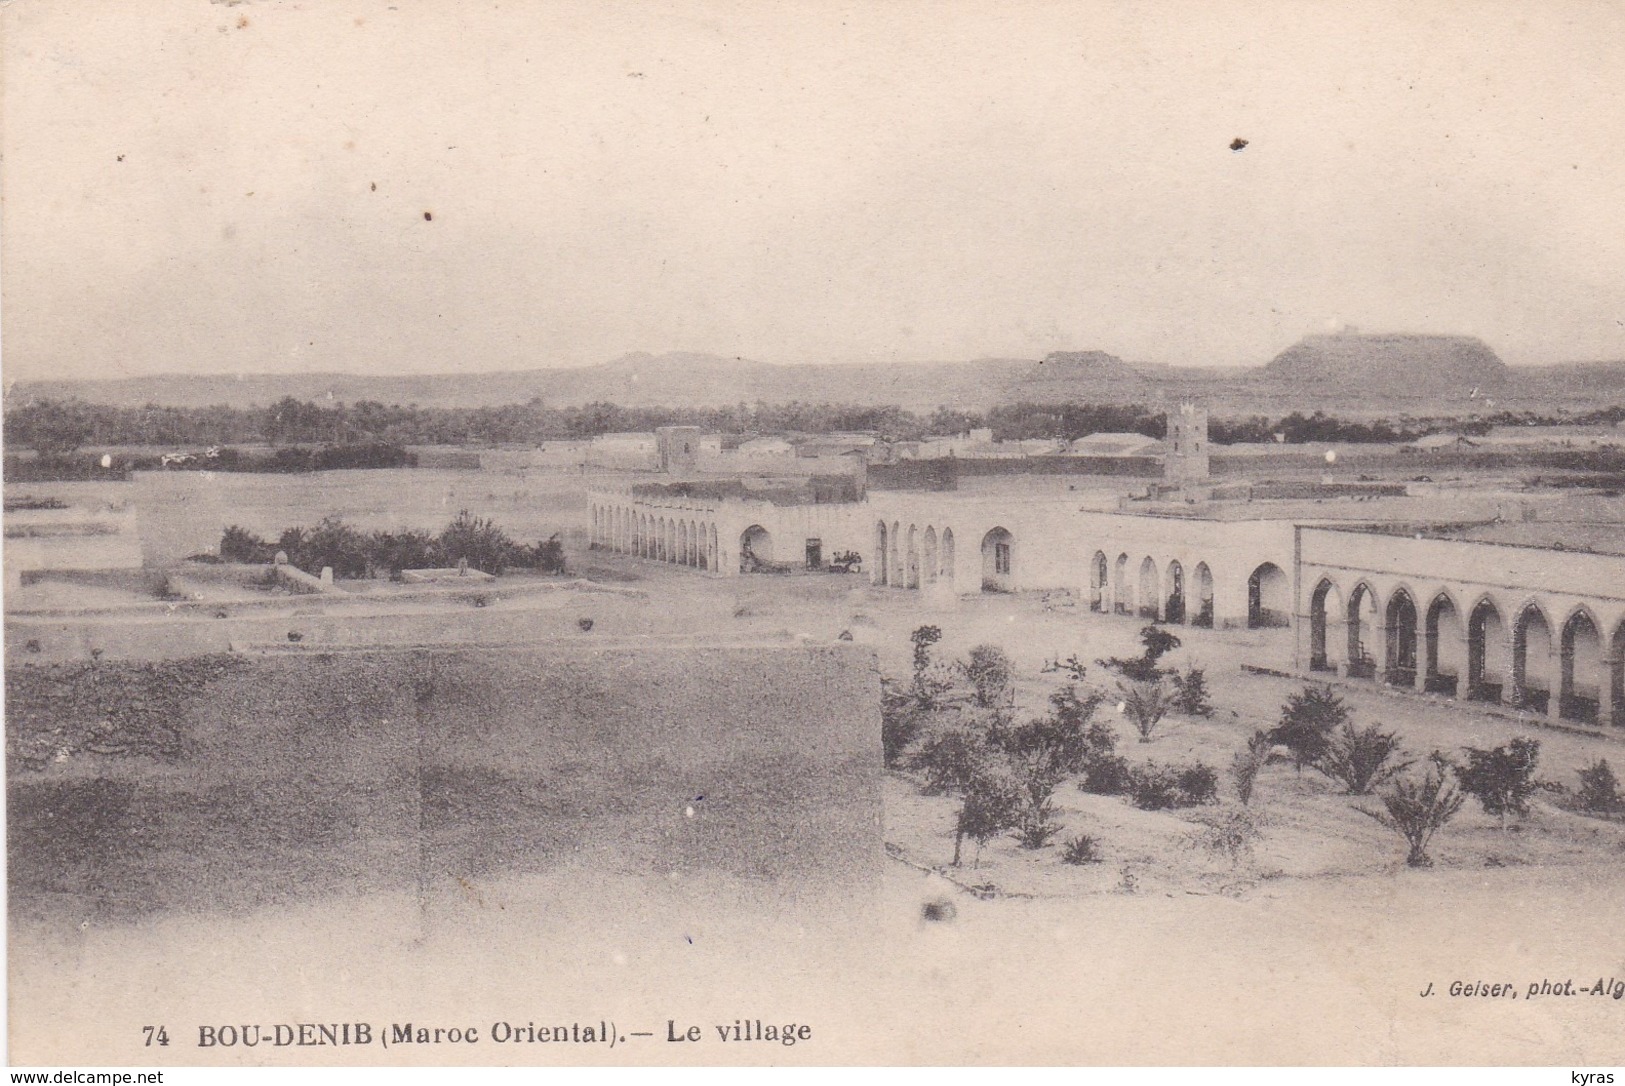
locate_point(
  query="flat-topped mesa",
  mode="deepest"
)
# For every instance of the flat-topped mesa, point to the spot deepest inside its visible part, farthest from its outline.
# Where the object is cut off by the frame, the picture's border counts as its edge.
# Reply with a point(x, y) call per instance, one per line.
point(1395, 364)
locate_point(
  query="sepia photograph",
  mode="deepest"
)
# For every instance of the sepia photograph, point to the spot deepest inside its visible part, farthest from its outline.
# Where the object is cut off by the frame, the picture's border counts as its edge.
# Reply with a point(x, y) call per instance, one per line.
point(553, 533)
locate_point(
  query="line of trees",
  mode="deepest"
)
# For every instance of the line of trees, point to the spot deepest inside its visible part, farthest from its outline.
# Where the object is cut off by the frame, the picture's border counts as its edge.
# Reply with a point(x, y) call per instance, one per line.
point(58, 427)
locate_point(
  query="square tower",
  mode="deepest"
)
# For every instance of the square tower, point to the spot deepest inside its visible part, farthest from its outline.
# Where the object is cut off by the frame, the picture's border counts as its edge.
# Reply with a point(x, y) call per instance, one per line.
point(1186, 461)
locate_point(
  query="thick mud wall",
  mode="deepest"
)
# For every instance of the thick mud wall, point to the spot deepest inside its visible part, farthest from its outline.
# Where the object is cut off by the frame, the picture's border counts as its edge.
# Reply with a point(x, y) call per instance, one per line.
point(232, 782)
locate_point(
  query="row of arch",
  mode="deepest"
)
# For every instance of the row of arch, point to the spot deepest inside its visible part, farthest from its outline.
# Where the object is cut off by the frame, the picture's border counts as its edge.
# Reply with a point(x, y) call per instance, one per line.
point(1518, 655)
point(908, 557)
point(679, 540)
point(1167, 593)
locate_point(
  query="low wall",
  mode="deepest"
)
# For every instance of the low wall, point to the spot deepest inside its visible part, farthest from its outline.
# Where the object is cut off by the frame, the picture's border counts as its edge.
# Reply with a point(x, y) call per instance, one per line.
point(232, 782)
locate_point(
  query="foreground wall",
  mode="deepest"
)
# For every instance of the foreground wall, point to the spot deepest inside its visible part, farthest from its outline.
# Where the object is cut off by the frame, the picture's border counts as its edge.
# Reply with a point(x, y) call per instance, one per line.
point(228, 782)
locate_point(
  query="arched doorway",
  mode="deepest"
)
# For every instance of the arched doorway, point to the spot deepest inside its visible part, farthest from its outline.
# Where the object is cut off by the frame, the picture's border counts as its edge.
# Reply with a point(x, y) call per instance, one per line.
point(1175, 609)
point(894, 563)
point(947, 573)
point(1150, 590)
point(1400, 629)
point(1324, 603)
point(878, 574)
point(1444, 647)
point(755, 549)
point(1203, 578)
point(1531, 660)
point(998, 561)
point(1616, 672)
point(1362, 628)
point(911, 569)
point(1580, 692)
point(1487, 663)
point(928, 557)
point(1121, 603)
point(1099, 581)
point(1269, 600)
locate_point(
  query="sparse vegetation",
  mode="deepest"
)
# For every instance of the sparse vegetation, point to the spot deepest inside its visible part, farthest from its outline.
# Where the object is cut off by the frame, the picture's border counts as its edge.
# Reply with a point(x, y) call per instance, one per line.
point(355, 554)
point(1230, 832)
point(1153, 787)
point(1417, 809)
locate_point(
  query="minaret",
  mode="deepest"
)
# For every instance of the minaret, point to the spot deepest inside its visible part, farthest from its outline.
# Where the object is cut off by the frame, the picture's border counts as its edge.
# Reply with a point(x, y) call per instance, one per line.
point(1186, 462)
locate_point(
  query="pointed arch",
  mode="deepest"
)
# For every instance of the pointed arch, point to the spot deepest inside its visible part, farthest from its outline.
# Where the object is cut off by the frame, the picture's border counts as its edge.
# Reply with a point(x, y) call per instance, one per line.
point(1325, 614)
point(1581, 675)
point(1202, 589)
point(1445, 646)
point(1150, 596)
point(1531, 659)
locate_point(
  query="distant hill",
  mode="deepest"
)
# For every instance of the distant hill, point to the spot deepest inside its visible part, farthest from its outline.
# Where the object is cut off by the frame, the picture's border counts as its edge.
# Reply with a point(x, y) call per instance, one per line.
point(1353, 374)
point(1425, 366)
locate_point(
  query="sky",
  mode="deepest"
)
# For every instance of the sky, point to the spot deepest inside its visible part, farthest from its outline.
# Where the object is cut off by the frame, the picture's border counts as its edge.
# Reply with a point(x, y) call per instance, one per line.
point(271, 187)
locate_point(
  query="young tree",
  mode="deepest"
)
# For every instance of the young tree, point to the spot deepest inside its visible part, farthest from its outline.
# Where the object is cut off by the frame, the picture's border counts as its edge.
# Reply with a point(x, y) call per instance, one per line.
point(1418, 809)
point(1145, 703)
point(1361, 759)
point(991, 805)
point(1307, 721)
point(1249, 760)
point(1502, 779)
point(988, 670)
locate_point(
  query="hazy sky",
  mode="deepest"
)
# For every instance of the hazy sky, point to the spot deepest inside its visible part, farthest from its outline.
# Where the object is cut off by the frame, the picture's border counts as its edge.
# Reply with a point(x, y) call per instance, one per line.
point(197, 187)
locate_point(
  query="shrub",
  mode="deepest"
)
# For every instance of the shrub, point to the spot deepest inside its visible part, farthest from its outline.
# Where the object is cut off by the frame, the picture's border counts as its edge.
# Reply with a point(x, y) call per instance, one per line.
point(1502, 779)
point(900, 721)
point(1081, 849)
point(485, 546)
point(1035, 821)
point(394, 551)
point(1247, 763)
point(1152, 787)
point(1145, 704)
point(1199, 784)
point(1062, 743)
point(1418, 809)
point(1599, 790)
point(991, 805)
point(1307, 721)
point(1143, 668)
point(333, 543)
point(988, 670)
point(1361, 759)
point(1190, 693)
point(949, 752)
point(241, 545)
point(1230, 833)
point(1106, 775)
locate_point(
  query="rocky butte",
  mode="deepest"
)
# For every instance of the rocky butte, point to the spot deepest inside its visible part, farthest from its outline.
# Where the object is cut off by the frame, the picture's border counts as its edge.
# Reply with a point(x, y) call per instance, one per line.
point(1358, 364)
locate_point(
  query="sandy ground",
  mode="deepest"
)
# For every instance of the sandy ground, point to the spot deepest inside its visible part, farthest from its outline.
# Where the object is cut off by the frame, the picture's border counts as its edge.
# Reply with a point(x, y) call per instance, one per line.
point(1315, 950)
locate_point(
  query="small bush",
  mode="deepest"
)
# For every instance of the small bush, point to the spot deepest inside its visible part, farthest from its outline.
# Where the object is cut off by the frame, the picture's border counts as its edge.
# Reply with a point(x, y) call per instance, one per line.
point(1190, 693)
point(949, 752)
point(240, 545)
point(1418, 809)
point(1308, 720)
point(1502, 779)
point(988, 670)
point(1082, 849)
point(1199, 784)
point(1145, 704)
point(1106, 775)
point(1152, 787)
point(1249, 760)
point(1230, 833)
point(1035, 822)
point(991, 805)
point(1361, 759)
point(1599, 790)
